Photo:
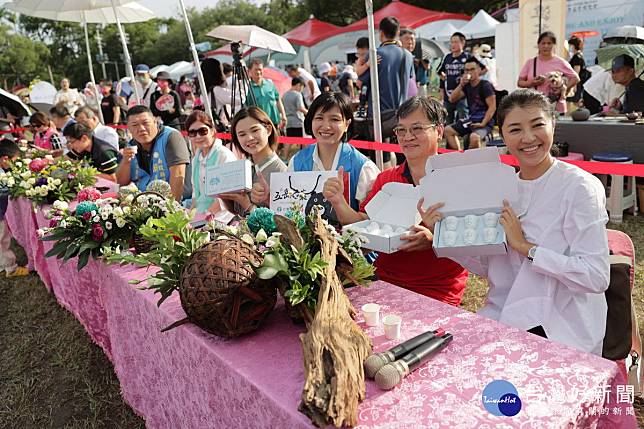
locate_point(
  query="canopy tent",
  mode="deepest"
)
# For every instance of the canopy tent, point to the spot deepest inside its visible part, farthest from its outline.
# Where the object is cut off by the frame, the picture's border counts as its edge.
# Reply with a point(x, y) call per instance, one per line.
point(179, 69)
point(606, 54)
point(157, 69)
point(482, 25)
point(409, 16)
point(310, 32)
point(42, 96)
point(445, 32)
point(625, 34)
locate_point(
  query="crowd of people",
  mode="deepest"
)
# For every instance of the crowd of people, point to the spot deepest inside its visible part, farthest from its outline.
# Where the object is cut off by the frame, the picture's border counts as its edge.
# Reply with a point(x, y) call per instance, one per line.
point(552, 279)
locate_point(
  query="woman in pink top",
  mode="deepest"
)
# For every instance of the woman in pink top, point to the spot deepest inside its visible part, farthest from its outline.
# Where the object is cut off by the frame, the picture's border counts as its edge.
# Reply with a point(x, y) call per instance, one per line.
point(548, 73)
point(45, 134)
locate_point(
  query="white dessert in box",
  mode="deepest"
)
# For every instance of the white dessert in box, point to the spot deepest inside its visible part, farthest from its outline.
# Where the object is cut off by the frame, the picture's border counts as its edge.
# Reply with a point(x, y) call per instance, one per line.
point(472, 185)
point(392, 211)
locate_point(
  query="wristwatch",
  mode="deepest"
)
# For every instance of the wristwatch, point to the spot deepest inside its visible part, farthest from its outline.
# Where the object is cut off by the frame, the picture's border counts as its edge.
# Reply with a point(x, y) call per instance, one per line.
point(531, 253)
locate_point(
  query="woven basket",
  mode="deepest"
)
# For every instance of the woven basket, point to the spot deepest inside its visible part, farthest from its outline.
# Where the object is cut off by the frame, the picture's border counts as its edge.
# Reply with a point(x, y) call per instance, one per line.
point(140, 244)
point(220, 291)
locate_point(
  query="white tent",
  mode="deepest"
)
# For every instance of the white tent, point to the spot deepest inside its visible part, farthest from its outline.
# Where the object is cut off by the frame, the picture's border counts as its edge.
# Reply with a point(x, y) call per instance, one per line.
point(445, 32)
point(156, 69)
point(179, 69)
point(482, 25)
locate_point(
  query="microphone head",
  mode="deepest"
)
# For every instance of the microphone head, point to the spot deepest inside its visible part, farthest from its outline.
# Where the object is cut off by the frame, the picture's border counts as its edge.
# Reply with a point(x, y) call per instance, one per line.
point(373, 364)
point(388, 377)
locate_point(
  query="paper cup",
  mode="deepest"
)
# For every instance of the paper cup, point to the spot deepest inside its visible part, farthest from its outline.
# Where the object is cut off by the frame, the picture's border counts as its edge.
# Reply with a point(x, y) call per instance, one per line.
point(392, 326)
point(371, 313)
point(134, 149)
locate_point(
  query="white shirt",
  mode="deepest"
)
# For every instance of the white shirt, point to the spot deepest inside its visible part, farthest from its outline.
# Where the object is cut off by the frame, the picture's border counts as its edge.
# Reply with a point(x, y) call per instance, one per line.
point(70, 98)
point(490, 75)
point(108, 135)
point(223, 96)
point(306, 78)
point(602, 87)
point(144, 93)
point(563, 213)
point(368, 173)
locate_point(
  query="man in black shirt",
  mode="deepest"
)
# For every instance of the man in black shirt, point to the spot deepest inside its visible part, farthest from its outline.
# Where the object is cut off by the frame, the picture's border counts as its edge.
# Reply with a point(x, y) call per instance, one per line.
point(165, 102)
point(623, 72)
point(450, 72)
point(101, 155)
point(109, 104)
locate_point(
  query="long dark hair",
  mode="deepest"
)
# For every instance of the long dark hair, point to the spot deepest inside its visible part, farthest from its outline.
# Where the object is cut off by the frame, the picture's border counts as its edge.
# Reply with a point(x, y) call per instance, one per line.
point(213, 73)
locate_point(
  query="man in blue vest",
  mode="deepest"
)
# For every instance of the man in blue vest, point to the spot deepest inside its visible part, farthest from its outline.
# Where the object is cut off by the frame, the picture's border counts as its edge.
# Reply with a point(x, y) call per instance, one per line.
point(155, 153)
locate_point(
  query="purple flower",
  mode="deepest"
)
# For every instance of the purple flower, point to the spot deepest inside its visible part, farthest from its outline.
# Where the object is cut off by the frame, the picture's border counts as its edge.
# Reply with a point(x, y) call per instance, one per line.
point(54, 222)
point(41, 181)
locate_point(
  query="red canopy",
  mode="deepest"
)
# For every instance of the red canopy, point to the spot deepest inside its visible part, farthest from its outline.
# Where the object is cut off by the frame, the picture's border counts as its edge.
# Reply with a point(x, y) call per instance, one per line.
point(408, 15)
point(311, 32)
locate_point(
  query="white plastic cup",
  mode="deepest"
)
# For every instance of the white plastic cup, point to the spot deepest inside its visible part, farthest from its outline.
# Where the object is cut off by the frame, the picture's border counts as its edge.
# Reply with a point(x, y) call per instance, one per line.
point(392, 324)
point(371, 313)
point(134, 148)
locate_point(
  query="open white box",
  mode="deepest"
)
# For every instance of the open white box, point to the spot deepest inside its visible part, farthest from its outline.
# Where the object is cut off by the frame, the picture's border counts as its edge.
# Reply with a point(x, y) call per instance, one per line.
point(394, 205)
point(472, 182)
point(234, 176)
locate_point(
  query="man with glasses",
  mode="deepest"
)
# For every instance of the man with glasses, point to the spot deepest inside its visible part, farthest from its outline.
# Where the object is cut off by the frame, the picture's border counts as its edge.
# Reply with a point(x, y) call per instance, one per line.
point(86, 116)
point(100, 154)
point(155, 153)
point(481, 99)
point(421, 122)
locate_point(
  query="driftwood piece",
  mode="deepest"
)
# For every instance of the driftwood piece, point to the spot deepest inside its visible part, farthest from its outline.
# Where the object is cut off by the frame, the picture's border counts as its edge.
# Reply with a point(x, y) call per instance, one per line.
point(334, 349)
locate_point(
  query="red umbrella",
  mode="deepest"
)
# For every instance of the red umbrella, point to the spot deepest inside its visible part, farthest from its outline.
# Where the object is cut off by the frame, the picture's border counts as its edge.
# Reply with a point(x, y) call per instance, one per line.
point(586, 33)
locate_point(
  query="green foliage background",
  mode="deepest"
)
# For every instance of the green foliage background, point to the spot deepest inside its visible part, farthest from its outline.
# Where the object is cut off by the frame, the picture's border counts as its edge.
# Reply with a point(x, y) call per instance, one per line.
point(28, 45)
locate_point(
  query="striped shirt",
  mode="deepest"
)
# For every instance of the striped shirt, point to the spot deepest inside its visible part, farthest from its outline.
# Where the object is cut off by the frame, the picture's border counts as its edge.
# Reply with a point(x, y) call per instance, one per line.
point(103, 157)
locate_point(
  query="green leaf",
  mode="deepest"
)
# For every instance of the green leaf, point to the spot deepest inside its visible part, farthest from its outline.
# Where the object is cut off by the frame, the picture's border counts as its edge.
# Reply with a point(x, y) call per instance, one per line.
point(83, 259)
point(266, 273)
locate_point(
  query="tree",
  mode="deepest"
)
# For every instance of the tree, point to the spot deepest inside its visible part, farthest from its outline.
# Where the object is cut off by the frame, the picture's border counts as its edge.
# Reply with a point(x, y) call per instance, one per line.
point(21, 59)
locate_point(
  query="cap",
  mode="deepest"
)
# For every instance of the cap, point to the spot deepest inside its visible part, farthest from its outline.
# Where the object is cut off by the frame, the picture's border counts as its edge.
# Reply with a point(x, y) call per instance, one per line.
point(622, 60)
point(164, 75)
point(142, 68)
point(324, 68)
point(485, 50)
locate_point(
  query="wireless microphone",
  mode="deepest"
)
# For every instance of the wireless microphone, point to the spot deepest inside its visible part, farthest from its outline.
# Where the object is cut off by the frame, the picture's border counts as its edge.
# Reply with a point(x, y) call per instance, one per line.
point(376, 361)
point(393, 373)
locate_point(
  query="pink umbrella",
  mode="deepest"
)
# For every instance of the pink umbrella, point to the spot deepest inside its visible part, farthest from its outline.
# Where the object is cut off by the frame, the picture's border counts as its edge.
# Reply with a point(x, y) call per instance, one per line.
point(279, 77)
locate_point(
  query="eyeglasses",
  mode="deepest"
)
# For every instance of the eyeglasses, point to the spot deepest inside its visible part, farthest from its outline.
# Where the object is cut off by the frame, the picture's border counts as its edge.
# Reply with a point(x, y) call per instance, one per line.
point(416, 130)
point(203, 131)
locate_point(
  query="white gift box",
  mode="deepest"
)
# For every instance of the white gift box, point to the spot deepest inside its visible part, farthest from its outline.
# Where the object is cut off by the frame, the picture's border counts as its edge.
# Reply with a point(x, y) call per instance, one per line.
point(474, 182)
point(234, 176)
point(394, 205)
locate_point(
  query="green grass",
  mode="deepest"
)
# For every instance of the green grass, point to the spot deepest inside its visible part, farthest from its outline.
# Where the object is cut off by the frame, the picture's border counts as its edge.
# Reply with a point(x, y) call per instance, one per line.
point(53, 376)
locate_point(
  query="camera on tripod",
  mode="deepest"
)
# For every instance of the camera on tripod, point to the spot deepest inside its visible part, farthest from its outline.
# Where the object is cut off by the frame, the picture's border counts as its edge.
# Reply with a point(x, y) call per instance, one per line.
point(235, 48)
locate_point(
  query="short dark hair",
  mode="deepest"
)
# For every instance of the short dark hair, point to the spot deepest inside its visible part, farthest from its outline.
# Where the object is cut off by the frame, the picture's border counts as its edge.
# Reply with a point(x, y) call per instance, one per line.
point(473, 60)
point(77, 131)
point(227, 68)
point(255, 61)
point(362, 43)
point(9, 148)
point(198, 115)
point(260, 116)
point(523, 98)
point(138, 109)
point(432, 108)
point(291, 67)
point(389, 25)
point(576, 42)
point(296, 81)
point(324, 102)
point(406, 30)
point(59, 110)
point(86, 110)
point(460, 35)
point(106, 82)
point(38, 119)
point(548, 34)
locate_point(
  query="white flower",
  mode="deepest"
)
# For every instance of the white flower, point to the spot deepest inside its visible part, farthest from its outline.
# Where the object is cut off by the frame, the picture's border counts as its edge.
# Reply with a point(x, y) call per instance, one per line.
point(27, 161)
point(105, 215)
point(63, 224)
point(25, 185)
point(61, 205)
point(120, 222)
point(272, 242)
point(261, 236)
point(31, 181)
point(49, 157)
point(96, 218)
point(126, 210)
point(43, 191)
point(57, 182)
point(247, 238)
point(108, 225)
point(25, 174)
point(118, 212)
point(41, 233)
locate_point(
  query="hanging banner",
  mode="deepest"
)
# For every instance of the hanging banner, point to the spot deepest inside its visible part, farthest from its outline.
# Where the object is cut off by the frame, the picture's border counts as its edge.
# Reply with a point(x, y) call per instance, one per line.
point(537, 16)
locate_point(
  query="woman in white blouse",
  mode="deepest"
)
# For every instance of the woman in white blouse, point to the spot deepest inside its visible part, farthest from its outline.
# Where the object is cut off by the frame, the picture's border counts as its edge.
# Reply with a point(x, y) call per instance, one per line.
point(552, 280)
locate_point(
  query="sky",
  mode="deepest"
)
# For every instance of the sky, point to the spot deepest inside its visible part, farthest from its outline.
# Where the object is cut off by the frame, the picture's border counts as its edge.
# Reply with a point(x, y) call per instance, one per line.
point(170, 8)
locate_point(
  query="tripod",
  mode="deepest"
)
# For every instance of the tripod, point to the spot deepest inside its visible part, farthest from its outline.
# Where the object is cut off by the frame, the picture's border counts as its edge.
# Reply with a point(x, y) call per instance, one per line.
point(241, 81)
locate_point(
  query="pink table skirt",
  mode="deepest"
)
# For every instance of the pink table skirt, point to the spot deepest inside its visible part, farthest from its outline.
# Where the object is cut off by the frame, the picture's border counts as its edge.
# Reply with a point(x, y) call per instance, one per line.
point(572, 156)
point(186, 378)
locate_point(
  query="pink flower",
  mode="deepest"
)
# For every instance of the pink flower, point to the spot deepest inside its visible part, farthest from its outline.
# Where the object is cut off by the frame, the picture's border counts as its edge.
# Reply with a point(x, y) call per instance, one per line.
point(54, 222)
point(97, 232)
point(37, 164)
point(88, 194)
point(87, 216)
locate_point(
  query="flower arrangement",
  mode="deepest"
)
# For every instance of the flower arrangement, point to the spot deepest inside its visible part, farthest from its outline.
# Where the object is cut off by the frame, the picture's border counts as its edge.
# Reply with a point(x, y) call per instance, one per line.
point(292, 254)
point(175, 241)
point(47, 179)
point(98, 224)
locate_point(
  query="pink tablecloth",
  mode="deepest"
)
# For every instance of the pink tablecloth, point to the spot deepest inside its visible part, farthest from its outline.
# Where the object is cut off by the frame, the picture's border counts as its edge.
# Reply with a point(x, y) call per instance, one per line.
point(186, 378)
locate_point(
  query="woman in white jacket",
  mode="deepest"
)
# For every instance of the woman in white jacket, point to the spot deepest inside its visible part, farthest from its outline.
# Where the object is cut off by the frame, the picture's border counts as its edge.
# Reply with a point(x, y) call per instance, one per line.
point(552, 280)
